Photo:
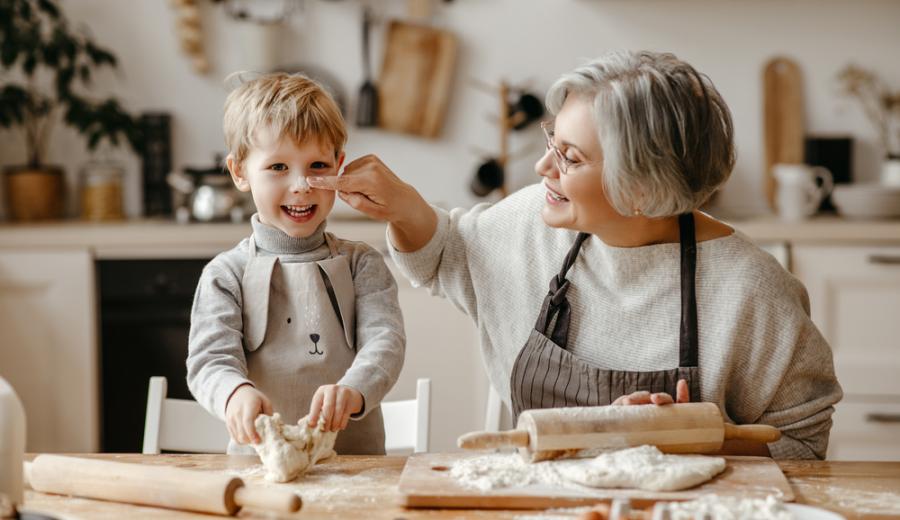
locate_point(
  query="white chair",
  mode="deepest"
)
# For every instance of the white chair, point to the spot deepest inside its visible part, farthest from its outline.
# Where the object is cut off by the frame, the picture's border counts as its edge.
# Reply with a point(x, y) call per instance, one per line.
point(180, 424)
point(183, 425)
point(406, 423)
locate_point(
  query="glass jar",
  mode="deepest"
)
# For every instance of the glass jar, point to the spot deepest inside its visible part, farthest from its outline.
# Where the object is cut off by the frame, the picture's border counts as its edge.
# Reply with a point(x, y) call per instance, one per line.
point(101, 191)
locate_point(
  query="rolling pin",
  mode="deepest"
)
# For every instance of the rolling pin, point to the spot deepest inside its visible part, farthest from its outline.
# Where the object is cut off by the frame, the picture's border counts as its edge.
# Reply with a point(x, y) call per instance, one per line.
point(160, 486)
point(676, 428)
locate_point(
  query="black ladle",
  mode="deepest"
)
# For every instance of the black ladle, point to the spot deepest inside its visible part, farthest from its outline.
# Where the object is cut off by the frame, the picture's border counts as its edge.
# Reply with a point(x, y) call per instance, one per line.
point(367, 105)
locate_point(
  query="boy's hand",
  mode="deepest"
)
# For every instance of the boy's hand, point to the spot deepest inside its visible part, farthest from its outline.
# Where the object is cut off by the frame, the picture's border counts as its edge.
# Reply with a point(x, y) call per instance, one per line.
point(245, 403)
point(336, 404)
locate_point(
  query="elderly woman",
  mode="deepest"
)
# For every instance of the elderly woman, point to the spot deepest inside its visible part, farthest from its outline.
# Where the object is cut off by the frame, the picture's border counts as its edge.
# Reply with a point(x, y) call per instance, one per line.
point(649, 298)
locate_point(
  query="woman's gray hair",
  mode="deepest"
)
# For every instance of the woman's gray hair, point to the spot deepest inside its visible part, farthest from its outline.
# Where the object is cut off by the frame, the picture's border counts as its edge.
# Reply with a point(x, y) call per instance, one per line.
point(665, 131)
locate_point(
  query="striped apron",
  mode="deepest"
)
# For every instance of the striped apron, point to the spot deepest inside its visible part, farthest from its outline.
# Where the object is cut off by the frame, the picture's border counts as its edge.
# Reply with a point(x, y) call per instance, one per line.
point(547, 375)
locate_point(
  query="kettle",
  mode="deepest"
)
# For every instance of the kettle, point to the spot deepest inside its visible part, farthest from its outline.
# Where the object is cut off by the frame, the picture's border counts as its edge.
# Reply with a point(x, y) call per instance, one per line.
point(209, 194)
point(12, 450)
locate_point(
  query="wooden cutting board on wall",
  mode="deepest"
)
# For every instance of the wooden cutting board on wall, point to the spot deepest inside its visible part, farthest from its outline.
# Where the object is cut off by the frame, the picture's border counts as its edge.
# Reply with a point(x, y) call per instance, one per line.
point(426, 482)
point(783, 118)
point(416, 78)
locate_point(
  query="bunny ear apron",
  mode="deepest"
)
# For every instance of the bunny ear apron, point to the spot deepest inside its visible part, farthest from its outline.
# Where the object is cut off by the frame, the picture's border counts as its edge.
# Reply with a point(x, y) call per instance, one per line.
point(547, 375)
point(300, 334)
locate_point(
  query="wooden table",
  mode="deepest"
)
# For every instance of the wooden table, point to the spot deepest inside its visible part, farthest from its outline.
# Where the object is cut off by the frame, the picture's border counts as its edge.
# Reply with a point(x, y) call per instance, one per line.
point(366, 487)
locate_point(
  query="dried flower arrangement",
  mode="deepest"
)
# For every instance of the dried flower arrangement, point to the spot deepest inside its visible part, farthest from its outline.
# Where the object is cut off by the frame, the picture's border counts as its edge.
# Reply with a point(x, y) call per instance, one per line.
point(880, 104)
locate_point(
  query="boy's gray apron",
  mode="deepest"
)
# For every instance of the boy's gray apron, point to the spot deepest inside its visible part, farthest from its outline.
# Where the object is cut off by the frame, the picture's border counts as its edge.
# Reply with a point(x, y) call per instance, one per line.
point(300, 334)
point(546, 375)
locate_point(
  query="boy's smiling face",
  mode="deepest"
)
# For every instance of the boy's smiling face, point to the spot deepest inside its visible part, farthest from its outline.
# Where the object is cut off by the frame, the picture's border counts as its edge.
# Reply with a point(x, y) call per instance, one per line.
point(275, 172)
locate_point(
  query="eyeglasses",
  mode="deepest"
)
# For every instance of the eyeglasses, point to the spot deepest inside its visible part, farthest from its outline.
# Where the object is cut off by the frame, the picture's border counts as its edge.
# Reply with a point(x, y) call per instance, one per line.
point(562, 162)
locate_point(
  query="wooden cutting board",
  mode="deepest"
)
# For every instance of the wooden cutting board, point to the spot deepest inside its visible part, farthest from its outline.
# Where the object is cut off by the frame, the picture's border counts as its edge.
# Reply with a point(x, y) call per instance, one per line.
point(783, 118)
point(426, 482)
point(416, 78)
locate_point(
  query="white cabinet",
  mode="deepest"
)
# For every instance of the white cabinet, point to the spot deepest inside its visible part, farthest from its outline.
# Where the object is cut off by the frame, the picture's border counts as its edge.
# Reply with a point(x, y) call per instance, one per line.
point(854, 295)
point(865, 428)
point(48, 345)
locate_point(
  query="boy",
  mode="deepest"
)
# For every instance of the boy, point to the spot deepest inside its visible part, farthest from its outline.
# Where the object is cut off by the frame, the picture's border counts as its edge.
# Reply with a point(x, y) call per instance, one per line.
point(293, 320)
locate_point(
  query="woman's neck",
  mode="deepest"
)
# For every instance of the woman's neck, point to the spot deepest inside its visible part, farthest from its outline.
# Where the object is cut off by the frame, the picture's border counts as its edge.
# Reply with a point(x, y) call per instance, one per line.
point(638, 231)
point(619, 231)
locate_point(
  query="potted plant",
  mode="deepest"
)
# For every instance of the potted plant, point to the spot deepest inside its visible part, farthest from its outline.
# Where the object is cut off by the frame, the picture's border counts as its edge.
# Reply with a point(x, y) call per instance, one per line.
point(46, 68)
point(882, 108)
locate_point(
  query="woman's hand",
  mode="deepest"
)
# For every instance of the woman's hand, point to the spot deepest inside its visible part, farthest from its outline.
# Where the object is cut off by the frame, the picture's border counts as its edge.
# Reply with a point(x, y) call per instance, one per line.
point(241, 410)
point(682, 395)
point(369, 186)
point(336, 404)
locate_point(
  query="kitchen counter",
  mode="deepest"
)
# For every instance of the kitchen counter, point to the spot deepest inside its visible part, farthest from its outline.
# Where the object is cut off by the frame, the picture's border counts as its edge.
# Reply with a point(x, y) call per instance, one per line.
point(366, 487)
point(161, 238)
point(158, 238)
point(822, 229)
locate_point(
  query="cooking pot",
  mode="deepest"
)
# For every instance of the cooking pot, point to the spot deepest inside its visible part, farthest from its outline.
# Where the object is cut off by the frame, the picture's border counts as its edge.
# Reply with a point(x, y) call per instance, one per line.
point(209, 193)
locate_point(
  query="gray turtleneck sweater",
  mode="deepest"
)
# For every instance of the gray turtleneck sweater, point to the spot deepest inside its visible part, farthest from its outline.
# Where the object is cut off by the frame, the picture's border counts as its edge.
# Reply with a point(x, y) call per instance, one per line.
point(762, 360)
point(216, 364)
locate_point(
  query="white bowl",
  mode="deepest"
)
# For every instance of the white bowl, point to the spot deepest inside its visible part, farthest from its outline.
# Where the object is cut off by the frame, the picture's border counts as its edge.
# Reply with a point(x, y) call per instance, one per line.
point(867, 201)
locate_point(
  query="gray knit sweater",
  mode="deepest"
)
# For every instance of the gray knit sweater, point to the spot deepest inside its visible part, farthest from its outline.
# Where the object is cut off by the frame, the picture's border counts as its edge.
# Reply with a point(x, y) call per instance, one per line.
point(216, 364)
point(761, 357)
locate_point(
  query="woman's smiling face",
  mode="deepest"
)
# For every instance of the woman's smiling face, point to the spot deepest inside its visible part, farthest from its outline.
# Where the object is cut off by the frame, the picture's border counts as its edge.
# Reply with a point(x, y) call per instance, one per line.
point(575, 200)
point(275, 173)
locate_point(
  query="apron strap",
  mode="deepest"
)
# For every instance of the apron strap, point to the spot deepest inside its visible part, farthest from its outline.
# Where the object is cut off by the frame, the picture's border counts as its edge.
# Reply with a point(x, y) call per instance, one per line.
point(555, 303)
point(332, 246)
point(255, 288)
point(331, 296)
point(688, 341)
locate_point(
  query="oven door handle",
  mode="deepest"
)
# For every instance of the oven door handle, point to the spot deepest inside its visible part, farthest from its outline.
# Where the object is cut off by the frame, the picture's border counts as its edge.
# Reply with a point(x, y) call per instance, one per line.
point(884, 259)
point(893, 418)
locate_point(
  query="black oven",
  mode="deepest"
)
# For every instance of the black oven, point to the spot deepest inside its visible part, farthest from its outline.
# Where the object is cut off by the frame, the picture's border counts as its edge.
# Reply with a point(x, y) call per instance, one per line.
point(145, 312)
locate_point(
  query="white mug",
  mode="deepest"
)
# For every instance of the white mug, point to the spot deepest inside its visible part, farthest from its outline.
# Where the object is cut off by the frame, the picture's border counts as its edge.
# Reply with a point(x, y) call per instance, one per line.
point(799, 195)
point(890, 172)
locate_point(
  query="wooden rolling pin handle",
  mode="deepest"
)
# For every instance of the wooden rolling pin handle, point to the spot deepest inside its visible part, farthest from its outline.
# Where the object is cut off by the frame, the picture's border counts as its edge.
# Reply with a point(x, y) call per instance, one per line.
point(483, 440)
point(257, 497)
point(752, 432)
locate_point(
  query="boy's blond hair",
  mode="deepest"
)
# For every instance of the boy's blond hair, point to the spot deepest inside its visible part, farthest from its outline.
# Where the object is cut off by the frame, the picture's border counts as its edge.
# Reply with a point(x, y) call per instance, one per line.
point(292, 104)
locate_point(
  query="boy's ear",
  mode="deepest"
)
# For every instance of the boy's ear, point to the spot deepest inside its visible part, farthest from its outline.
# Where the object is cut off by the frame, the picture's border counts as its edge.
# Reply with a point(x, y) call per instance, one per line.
point(234, 168)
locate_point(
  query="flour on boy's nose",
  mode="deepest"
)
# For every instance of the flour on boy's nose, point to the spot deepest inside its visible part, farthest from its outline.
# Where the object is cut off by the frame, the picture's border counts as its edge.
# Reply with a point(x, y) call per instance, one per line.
point(302, 183)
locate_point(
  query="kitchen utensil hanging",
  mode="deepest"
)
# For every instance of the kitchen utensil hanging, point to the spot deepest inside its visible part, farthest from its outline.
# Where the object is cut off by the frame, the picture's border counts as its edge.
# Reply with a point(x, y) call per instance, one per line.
point(416, 78)
point(367, 104)
point(518, 110)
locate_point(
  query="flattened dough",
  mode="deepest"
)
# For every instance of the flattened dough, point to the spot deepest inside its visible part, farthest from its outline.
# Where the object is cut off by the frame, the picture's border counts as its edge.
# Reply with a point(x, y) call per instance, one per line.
point(643, 467)
point(289, 450)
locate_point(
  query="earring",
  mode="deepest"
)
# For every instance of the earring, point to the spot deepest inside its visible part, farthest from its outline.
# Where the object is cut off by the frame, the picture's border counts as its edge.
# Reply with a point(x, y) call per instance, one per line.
point(637, 212)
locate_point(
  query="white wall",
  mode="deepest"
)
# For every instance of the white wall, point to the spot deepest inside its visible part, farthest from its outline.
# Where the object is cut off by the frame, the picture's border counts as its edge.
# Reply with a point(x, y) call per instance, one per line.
point(517, 40)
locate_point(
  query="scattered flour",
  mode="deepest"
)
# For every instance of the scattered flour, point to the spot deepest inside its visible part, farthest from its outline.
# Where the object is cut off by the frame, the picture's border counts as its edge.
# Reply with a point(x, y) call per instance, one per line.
point(644, 467)
point(879, 500)
point(288, 450)
point(707, 507)
point(504, 471)
point(249, 472)
point(715, 507)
